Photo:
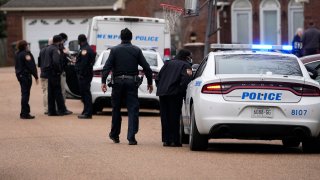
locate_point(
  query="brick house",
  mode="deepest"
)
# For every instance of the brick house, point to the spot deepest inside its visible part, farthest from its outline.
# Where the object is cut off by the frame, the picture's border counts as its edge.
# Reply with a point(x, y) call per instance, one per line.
point(240, 20)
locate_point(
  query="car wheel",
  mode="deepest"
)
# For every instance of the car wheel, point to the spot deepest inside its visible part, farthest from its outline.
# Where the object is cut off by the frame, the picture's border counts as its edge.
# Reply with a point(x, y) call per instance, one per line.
point(184, 139)
point(290, 142)
point(96, 107)
point(311, 145)
point(197, 141)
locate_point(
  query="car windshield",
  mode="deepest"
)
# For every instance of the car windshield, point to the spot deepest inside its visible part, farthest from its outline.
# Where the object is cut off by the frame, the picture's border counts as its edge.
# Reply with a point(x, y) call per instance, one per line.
point(257, 64)
point(150, 57)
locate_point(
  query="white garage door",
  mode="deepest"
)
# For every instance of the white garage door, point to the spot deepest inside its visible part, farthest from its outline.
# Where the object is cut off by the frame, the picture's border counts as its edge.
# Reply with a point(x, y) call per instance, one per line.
point(39, 29)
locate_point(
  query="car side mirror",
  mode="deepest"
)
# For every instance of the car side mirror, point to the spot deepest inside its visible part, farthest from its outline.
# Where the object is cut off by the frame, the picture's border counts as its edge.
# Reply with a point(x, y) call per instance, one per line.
point(195, 67)
point(74, 45)
point(313, 75)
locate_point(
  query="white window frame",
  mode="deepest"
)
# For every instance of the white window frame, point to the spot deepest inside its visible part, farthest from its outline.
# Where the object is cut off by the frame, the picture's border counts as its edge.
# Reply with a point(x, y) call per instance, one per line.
point(263, 8)
point(292, 8)
point(234, 11)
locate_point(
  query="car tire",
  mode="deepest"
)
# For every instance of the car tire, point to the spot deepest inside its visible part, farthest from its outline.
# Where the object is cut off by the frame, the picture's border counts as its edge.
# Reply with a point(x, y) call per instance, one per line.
point(184, 139)
point(311, 145)
point(197, 141)
point(291, 142)
point(96, 107)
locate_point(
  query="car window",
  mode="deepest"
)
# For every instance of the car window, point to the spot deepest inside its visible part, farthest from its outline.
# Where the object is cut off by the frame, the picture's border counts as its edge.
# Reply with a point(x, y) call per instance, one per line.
point(151, 58)
point(201, 68)
point(316, 66)
point(257, 64)
point(105, 57)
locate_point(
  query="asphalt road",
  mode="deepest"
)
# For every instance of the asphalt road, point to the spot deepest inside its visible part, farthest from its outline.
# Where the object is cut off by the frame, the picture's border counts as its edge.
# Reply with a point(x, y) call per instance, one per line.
point(69, 148)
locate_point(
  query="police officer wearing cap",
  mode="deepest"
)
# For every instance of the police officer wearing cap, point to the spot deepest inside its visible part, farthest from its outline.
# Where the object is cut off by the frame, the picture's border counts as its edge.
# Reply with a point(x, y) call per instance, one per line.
point(123, 61)
point(84, 69)
point(53, 67)
point(172, 82)
point(25, 67)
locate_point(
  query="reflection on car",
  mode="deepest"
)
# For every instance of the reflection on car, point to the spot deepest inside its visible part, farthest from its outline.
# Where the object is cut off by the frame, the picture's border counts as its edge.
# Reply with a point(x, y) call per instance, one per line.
point(251, 94)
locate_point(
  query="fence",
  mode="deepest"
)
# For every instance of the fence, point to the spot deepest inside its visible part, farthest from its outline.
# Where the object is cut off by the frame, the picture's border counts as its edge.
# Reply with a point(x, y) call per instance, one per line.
point(3, 52)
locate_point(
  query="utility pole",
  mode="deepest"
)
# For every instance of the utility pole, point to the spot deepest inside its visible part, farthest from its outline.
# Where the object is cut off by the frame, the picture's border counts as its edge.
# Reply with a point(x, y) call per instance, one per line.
point(209, 27)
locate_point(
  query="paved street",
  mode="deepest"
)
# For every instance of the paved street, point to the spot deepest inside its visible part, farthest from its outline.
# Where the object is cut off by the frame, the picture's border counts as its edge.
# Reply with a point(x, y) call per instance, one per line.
point(69, 148)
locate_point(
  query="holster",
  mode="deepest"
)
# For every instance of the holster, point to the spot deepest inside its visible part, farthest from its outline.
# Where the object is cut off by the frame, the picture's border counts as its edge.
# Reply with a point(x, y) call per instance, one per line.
point(138, 80)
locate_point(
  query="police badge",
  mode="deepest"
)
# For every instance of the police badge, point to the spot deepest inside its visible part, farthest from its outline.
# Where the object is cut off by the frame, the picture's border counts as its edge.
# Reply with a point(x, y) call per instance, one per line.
point(28, 57)
point(84, 52)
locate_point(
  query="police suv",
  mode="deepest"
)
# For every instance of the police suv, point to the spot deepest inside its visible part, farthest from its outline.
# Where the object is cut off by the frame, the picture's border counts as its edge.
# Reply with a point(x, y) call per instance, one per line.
point(246, 93)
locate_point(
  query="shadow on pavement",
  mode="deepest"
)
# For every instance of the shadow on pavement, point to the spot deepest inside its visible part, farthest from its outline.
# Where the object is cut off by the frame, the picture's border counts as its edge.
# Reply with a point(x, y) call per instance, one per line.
point(142, 112)
point(252, 148)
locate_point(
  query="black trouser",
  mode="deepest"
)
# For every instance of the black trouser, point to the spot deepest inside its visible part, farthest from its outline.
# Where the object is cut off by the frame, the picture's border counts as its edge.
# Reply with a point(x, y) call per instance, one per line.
point(25, 84)
point(170, 111)
point(55, 95)
point(84, 86)
point(125, 89)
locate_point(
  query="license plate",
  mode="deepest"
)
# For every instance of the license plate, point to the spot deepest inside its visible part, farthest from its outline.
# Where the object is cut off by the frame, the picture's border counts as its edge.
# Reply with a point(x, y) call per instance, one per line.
point(261, 112)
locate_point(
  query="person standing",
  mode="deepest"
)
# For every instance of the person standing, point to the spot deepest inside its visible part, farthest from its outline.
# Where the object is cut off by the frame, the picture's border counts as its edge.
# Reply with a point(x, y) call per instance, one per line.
point(311, 40)
point(297, 43)
point(44, 76)
point(25, 67)
point(64, 61)
point(84, 69)
point(52, 65)
point(172, 82)
point(123, 61)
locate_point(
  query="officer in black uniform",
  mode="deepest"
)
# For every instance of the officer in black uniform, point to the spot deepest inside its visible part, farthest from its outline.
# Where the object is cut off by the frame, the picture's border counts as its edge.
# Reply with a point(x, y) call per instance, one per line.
point(84, 68)
point(123, 61)
point(172, 82)
point(311, 40)
point(53, 67)
point(25, 67)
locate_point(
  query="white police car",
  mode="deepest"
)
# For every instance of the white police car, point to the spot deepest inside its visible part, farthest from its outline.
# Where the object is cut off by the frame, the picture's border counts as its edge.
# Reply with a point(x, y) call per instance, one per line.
point(250, 94)
point(146, 100)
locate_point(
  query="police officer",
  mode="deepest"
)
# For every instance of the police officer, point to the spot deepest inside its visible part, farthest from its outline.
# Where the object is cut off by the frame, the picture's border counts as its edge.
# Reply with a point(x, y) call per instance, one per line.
point(84, 68)
point(44, 76)
point(52, 65)
point(297, 43)
point(311, 40)
point(64, 61)
point(123, 61)
point(25, 67)
point(172, 82)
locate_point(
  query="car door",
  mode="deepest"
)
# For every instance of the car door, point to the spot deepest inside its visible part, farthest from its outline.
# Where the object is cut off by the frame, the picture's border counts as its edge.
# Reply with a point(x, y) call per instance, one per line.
point(193, 85)
point(315, 65)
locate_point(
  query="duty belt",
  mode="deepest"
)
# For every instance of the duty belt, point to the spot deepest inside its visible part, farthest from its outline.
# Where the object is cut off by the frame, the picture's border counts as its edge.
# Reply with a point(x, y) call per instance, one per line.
point(125, 77)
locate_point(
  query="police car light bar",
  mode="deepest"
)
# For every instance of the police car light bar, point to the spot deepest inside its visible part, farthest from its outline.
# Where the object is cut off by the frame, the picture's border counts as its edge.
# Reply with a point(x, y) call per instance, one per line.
point(251, 47)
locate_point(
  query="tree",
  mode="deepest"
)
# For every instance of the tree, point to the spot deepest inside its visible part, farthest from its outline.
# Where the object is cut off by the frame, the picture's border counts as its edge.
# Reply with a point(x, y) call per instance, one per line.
point(3, 33)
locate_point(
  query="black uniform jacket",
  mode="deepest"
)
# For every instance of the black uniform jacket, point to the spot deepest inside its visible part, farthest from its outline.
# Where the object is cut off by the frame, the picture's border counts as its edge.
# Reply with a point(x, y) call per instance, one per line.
point(85, 61)
point(124, 60)
point(52, 60)
point(174, 78)
point(25, 64)
point(311, 38)
point(41, 59)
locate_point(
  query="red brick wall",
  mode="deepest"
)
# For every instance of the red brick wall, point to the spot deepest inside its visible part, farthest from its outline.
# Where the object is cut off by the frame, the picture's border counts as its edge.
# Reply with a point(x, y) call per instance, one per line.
point(191, 24)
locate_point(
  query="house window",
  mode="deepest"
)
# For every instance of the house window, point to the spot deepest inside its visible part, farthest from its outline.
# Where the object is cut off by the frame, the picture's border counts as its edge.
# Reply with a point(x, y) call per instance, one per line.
point(241, 22)
point(296, 18)
point(270, 22)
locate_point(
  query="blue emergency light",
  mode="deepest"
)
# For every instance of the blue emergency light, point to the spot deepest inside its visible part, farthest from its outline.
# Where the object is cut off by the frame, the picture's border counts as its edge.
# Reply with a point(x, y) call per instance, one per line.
point(262, 47)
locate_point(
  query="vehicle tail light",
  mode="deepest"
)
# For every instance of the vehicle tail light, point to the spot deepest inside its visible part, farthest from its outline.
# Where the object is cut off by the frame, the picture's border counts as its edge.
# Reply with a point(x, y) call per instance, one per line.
point(310, 91)
point(141, 73)
point(94, 48)
point(167, 54)
point(227, 87)
point(97, 73)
